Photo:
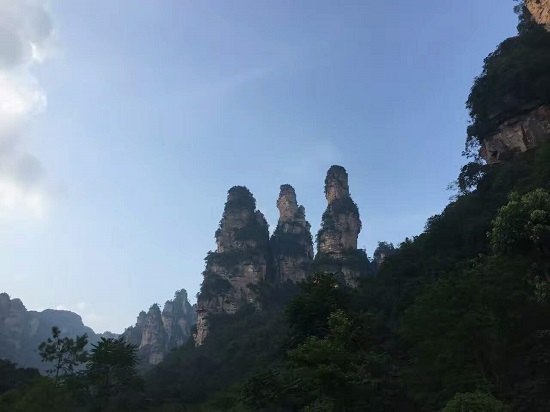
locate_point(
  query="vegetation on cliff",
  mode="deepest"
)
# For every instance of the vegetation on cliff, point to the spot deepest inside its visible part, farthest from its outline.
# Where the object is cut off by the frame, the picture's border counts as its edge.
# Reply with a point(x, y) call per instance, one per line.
point(515, 78)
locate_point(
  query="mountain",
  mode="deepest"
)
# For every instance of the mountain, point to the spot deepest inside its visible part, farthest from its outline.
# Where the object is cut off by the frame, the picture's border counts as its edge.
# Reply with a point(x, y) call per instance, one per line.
point(246, 259)
point(155, 333)
point(21, 331)
point(456, 318)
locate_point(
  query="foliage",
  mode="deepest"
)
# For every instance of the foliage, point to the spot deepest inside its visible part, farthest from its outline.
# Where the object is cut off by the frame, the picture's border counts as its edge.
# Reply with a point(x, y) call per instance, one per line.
point(474, 402)
point(290, 244)
point(320, 295)
point(12, 377)
point(473, 308)
point(42, 395)
point(525, 19)
point(470, 175)
point(254, 231)
point(523, 225)
point(111, 374)
point(337, 367)
point(64, 353)
point(237, 346)
point(213, 285)
point(239, 197)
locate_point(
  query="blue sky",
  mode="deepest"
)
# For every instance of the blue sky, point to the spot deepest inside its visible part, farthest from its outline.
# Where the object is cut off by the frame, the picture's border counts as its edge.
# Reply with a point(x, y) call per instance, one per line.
point(130, 120)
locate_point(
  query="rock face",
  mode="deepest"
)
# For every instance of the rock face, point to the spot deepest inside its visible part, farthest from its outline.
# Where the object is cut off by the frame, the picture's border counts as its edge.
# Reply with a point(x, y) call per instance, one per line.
point(337, 239)
point(518, 135)
point(21, 331)
point(239, 263)
point(156, 333)
point(291, 243)
point(540, 10)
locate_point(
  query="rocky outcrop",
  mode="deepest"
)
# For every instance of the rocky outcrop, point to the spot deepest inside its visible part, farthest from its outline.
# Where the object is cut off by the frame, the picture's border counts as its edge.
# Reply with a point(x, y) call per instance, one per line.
point(156, 333)
point(239, 263)
point(21, 331)
point(540, 11)
point(517, 135)
point(337, 239)
point(178, 318)
point(291, 243)
point(382, 251)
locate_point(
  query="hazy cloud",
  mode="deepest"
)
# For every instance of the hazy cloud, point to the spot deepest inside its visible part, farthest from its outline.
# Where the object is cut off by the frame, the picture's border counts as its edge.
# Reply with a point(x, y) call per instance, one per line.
point(26, 39)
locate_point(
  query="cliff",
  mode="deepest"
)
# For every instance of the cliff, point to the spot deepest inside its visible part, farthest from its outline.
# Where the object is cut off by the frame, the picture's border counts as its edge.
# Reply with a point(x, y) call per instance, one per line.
point(510, 101)
point(21, 331)
point(517, 134)
point(156, 333)
point(340, 226)
point(291, 243)
point(540, 11)
point(239, 263)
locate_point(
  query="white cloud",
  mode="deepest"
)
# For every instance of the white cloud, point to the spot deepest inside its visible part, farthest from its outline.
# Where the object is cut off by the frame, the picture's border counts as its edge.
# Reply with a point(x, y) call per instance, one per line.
point(27, 38)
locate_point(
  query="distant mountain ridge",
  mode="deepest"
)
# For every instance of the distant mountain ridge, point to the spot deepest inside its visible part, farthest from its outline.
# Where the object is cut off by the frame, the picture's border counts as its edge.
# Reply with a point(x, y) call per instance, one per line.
point(21, 330)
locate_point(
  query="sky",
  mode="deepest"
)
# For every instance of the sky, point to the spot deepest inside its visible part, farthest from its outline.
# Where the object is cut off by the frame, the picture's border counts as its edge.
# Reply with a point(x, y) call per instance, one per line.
point(124, 123)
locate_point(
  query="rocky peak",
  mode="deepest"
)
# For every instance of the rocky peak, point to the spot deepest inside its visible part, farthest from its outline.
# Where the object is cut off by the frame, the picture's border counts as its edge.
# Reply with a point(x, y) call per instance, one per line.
point(156, 333)
point(540, 11)
point(239, 263)
point(240, 218)
point(287, 204)
point(291, 243)
point(336, 184)
point(178, 317)
point(340, 227)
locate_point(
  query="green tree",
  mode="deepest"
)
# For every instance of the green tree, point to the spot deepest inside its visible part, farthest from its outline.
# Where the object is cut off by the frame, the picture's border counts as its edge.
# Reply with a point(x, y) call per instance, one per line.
point(474, 402)
point(64, 353)
point(523, 225)
point(12, 377)
point(334, 368)
point(112, 375)
point(469, 330)
point(320, 295)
